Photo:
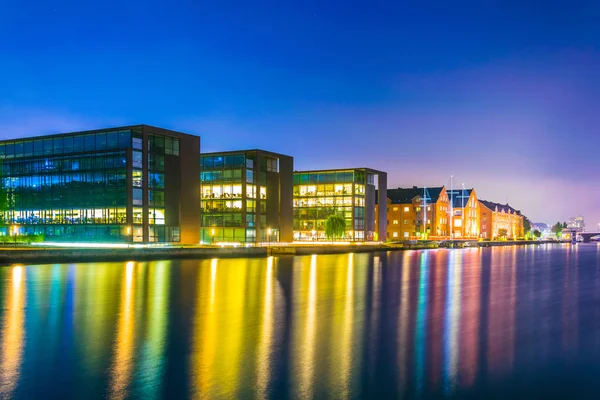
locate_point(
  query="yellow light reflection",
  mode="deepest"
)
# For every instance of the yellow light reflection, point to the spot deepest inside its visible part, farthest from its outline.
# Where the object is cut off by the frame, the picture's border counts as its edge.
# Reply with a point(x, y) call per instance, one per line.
point(346, 340)
point(123, 354)
point(213, 280)
point(12, 335)
point(264, 352)
point(308, 353)
point(219, 334)
point(157, 323)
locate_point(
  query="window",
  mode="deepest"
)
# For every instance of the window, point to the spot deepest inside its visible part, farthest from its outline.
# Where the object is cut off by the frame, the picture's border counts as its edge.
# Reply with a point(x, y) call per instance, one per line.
point(156, 180)
point(405, 222)
point(137, 159)
point(137, 197)
point(406, 209)
point(136, 143)
point(395, 222)
point(249, 176)
point(137, 178)
point(395, 234)
point(272, 164)
point(395, 208)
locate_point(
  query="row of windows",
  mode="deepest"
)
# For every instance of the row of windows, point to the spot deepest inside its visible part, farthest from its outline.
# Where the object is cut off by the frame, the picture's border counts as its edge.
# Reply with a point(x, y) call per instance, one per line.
point(66, 144)
point(107, 178)
point(234, 175)
point(233, 219)
point(73, 198)
point(221, 206)
point(228, 175)
point(232, 192)
point(67, 233)
point(225, 161)
point(159, 144)
point(330, 202)
point(66, 216)
point(209, 235)
point(64, 164)
point(321, 213)
point(340, 189)
point(309, 235)
point(303, 178)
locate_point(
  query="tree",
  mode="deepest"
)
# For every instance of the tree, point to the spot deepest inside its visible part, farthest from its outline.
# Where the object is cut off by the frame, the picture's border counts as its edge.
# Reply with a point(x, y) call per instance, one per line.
point(557, 229)
point(502, 233)
point(526, 225)
point(537, 234)
point(335, 226)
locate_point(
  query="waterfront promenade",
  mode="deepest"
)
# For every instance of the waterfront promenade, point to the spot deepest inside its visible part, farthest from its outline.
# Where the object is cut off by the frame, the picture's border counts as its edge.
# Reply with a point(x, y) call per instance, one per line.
point(52, 254)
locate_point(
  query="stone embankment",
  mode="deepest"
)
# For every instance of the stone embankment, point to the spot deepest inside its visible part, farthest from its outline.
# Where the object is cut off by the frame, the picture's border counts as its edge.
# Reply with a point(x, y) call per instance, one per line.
point(39, 254)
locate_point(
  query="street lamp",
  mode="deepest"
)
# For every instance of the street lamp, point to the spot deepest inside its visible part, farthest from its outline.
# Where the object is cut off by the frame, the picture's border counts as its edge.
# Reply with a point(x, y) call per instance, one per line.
point(314, 234)
point(269, 231)
point(212, 233)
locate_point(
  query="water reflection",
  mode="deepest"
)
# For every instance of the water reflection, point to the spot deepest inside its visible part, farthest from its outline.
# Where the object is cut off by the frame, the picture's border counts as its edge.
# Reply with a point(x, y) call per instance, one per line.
point(400, 324)
point(13, 334)
point(123, 360)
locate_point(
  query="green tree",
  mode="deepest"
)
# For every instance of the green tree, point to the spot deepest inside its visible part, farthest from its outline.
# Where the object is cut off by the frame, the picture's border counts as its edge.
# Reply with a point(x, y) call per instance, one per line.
point(335, 226)
point(557, 229)
point(537, 233)
point(526, 225)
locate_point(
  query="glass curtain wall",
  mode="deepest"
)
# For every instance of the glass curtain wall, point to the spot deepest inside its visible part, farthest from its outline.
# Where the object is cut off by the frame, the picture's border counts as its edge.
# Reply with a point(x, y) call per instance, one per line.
point(317, 195)
point(66, 196)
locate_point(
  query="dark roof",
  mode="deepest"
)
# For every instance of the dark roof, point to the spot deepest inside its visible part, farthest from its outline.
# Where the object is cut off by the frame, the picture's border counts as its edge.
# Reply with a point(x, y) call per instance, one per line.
point(492, 206)
point(459, 197)
point(405, 196)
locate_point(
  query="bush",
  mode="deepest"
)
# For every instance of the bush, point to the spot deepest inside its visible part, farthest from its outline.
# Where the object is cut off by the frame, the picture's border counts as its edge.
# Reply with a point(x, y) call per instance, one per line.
point(27, 239)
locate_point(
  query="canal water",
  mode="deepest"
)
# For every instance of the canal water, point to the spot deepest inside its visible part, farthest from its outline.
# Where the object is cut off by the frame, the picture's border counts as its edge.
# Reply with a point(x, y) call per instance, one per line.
point(517, 322)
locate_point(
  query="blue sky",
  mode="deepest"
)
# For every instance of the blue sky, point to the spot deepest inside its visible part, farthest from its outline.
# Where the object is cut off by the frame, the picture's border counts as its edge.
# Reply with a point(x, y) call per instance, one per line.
point(502, 94)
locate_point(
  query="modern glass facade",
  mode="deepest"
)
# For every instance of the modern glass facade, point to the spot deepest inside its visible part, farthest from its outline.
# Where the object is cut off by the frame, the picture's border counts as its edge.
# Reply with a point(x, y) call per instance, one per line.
point(91, 186)
point(241, 196)
point(349, 193)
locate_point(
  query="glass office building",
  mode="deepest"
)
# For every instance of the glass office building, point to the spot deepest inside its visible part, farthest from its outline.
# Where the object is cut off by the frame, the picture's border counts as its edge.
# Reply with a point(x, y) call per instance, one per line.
point(350, 193)
point(246, 196)
point(113, 185)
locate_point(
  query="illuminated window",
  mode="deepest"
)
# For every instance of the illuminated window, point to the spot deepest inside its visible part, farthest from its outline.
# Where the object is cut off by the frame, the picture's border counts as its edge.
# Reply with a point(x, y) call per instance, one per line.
point(458, 223)
point(137, 178)
point(395, 222)
point(395, 208)
point(395, 234)
point(406, 209)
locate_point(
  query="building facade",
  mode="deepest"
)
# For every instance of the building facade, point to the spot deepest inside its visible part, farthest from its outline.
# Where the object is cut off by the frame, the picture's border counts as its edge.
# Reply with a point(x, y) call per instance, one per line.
point(500, 221)
point(127, 184)
point(246, 196)
point(351, 193)
point(465, 214)
point(417, 213)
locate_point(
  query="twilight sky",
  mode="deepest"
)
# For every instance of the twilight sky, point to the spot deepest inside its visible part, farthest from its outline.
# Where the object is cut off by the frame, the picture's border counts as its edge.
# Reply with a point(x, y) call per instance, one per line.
point(504, 95)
